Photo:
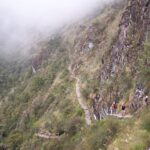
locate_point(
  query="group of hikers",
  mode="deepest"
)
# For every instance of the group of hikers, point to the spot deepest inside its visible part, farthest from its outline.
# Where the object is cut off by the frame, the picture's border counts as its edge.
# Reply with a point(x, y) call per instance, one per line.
point(117, 108)
point(114, 106)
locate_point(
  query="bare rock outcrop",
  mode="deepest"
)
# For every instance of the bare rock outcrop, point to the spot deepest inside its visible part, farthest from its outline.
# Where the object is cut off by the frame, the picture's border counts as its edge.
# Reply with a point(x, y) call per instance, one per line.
point(132, 33)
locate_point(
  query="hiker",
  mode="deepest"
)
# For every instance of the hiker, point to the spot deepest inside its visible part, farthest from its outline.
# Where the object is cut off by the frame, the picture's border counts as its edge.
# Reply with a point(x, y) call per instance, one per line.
point(145, 100)
point(97, 96)
point(113, 108)
point(123, 110)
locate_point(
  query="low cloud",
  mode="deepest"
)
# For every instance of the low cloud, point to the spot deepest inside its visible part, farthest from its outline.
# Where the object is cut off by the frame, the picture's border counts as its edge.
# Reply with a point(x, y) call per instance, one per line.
point(20, 19)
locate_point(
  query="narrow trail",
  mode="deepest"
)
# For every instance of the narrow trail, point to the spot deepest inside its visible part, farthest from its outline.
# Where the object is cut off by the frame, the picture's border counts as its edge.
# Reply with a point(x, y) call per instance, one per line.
point(120, 116)
point(107, 112)
point(84, 106)
point(82, 103)
point(81, 99)
point(46, 136)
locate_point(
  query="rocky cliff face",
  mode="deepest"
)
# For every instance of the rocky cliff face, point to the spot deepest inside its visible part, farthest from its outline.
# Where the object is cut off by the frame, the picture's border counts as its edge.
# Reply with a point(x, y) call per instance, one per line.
point(132, 33)
point(133, 30)
point(72, 80)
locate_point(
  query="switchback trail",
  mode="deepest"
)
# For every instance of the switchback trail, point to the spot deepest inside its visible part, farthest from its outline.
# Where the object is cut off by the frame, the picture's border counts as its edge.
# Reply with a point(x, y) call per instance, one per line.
point(82, 103)
point(81, 99)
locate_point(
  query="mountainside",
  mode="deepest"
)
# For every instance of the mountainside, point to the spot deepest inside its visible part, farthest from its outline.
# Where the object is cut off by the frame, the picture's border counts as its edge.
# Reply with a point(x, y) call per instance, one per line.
point(60, 95)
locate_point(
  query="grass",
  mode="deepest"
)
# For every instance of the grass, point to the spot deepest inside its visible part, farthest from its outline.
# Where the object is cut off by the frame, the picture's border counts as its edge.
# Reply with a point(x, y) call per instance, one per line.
point(145, 125)
point(50, 102)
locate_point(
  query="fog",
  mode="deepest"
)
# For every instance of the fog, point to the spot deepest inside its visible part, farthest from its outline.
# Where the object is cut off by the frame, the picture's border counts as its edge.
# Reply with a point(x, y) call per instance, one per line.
point(21, 20)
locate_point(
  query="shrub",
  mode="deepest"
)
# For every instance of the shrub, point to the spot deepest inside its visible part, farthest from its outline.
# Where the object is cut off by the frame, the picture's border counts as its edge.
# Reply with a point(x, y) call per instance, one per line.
point(73, 126)
point(144, 62)
point(14, 140)
point(24, 97)
point(126, 81)
point(142, 141)
point(79, 111)
point(92, 85)
point(37, 83)
point(51, 77)
point(138, 147)
point(102, 134)
point(146, 122)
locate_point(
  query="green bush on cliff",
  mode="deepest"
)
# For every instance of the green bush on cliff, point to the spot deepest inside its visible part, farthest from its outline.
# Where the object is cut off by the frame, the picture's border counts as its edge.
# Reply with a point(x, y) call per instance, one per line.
point(14, 140)
point(37, 83)
point(144, 62)
point(146, 122)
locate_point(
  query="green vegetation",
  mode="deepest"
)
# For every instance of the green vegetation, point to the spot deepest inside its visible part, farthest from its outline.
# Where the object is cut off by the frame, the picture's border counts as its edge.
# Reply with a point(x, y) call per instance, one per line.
point(146, 121)
point(14, 140)
point(47, 101)
point(144, 62)
point(37, 83)
point(101, 134)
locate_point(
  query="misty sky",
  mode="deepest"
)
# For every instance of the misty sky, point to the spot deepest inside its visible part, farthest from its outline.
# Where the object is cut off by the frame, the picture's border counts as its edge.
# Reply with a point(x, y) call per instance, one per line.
point(19, 18)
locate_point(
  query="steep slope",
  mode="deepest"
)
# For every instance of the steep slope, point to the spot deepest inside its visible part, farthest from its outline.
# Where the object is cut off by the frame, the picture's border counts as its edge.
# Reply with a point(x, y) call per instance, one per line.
point(123, 58)
point(70, 81)
point(80, 99)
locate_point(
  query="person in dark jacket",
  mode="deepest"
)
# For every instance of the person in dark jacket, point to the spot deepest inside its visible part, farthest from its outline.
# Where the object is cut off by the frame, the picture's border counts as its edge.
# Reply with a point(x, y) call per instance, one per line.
point(123, 110)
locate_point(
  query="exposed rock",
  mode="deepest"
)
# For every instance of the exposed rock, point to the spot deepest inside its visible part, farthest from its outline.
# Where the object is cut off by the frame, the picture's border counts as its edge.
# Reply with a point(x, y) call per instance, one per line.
point(137, 100)
point(120, 53)
point(131, 36)
point(33, 70)
point(91, 45)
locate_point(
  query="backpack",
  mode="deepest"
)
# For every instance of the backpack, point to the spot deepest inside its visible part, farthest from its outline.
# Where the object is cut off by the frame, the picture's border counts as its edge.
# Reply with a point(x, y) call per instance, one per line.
point(123, 107)
point(114, 106)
